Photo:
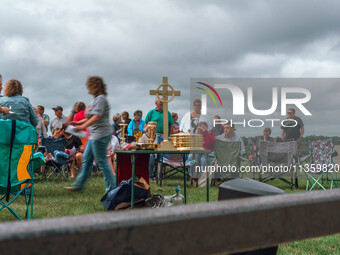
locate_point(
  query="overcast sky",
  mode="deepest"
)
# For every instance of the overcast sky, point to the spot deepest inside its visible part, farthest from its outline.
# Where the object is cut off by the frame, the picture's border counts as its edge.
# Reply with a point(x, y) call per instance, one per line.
point(53, 46)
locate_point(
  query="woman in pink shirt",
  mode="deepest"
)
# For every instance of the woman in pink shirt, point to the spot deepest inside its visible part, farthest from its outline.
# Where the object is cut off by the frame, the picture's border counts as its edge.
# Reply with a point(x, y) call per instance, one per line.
point(78, 113)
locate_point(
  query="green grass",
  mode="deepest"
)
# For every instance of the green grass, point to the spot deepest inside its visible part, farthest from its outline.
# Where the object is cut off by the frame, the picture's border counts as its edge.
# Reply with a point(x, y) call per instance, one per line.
point(51, 200)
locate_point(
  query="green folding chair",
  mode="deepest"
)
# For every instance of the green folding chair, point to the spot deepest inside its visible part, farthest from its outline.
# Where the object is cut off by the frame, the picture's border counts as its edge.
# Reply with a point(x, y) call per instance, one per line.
point(17, 143)
point(227, 159)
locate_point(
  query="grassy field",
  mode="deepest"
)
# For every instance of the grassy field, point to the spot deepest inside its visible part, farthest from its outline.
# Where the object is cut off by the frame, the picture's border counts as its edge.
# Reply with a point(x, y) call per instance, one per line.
point(51, 200)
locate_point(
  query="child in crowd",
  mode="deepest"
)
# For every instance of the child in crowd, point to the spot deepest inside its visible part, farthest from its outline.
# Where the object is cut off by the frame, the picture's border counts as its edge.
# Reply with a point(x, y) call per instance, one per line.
point(111, 156)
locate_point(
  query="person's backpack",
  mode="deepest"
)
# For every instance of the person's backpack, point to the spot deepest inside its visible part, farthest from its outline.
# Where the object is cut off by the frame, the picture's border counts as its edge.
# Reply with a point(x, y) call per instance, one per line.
point(122, 193)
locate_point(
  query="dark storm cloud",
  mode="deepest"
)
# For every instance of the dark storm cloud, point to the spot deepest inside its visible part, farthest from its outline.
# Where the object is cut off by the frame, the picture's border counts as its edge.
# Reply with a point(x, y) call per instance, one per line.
point(53, 46)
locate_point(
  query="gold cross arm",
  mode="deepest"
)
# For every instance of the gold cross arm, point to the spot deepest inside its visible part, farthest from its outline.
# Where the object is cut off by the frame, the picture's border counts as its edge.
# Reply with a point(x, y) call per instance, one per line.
point(163, 90)
point(161, 93)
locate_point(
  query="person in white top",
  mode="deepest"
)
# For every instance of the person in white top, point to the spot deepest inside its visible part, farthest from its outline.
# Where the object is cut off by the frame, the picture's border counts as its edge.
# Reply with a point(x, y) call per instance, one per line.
point(59, 119)
point(191, 119)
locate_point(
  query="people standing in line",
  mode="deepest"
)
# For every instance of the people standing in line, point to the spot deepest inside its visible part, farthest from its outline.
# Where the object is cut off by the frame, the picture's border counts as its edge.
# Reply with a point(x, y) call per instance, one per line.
point(293, 129)
point(21, 107)
point(97, 122)
point(59, 119)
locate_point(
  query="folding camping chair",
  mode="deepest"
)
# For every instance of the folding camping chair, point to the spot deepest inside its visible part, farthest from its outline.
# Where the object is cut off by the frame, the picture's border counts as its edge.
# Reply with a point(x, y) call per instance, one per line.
point(17, 144)
point(322, 167)
point(171, 166)
point(278, 153)
point(227, 161)
point(59, 166)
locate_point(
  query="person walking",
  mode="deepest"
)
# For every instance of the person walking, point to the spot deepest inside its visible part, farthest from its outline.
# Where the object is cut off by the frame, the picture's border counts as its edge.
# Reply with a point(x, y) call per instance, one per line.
point(97, 122)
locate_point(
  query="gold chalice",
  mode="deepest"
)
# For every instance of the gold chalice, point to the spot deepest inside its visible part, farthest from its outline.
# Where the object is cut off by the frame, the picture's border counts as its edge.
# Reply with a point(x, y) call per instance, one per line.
point(137, 134)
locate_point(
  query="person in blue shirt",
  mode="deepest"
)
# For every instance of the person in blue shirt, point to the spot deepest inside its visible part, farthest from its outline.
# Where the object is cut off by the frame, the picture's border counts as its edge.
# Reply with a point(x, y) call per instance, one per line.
point(137, 124)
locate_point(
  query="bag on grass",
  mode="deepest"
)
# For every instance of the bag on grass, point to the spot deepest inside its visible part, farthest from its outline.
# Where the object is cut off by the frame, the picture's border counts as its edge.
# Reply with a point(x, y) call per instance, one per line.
point(122, 193)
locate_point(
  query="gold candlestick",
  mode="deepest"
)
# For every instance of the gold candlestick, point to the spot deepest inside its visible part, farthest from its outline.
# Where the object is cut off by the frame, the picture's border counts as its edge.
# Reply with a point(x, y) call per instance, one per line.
point(123, 125)
point(152, 128)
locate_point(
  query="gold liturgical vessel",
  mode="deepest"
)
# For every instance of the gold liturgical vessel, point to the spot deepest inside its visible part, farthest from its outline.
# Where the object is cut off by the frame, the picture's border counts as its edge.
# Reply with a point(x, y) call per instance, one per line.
point(150, 145)
point(137, 134)
point(123, 125)
point(183, 142)
point(152, 128)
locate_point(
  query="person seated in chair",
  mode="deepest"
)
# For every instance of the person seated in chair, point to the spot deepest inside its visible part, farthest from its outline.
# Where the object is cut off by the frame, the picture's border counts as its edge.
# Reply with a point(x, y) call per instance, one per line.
point(218, 128)
point(208, 139)
point(117, 130)
point(255, 141)
point(208, 144)
point(137, 124)
point(74, 148)
point(229, 135)
point(175, 127)
point(55, 135)
point(145, 137)
point(111, 155)
point(21, 107)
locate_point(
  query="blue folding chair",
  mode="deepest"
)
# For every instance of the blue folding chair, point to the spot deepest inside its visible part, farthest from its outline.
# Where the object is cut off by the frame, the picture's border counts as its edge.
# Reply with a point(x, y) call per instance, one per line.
point(59, 165)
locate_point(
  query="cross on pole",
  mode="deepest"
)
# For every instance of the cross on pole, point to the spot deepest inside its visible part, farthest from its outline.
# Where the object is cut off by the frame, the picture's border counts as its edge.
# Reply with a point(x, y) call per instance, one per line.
point(165, 93)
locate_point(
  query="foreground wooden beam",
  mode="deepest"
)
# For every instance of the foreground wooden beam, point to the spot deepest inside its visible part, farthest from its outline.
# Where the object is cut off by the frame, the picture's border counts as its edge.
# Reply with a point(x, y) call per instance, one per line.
point(209, 228)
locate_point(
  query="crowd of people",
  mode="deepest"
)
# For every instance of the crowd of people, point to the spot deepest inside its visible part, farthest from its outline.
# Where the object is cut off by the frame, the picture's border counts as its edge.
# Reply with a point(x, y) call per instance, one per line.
point(103, 135)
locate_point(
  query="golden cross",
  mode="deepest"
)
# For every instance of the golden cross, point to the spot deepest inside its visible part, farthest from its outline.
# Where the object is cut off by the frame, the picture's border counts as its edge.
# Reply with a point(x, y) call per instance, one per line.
point(164, 92)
